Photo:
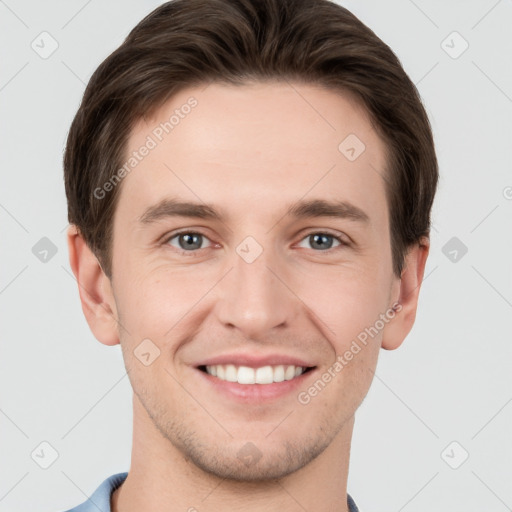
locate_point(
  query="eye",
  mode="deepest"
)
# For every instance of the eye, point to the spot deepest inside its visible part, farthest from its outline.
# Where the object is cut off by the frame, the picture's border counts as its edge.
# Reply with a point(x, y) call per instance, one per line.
point(187, 241)
point(322, 241)
point(191, 241)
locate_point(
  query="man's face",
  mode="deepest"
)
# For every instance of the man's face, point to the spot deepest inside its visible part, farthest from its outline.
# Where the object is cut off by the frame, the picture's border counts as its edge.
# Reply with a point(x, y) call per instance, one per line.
point(259, 286)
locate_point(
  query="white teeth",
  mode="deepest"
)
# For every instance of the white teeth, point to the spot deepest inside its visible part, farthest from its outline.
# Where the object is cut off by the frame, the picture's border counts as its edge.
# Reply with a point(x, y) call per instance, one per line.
point(230, 373)
point(246, 375)
point(289, 373)
point(262, 375)
point(278, 373)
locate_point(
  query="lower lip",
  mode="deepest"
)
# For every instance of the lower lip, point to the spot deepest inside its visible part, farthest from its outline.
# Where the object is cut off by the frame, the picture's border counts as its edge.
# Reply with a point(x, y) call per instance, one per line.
point(255, 393)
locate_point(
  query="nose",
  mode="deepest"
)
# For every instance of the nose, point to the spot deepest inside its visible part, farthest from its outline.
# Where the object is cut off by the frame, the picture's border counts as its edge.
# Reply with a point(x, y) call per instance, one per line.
point(254, 298)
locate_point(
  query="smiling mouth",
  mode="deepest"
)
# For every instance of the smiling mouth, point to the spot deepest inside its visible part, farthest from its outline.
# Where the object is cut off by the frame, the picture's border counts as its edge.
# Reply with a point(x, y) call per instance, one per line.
point(262, 375)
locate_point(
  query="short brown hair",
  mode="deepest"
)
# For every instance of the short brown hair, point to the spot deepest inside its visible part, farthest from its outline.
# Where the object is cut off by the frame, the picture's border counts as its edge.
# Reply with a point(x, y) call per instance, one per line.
point(184, 43)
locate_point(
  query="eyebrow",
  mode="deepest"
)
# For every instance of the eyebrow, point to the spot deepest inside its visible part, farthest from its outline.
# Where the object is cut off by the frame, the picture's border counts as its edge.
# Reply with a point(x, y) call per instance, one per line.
point(300, 210)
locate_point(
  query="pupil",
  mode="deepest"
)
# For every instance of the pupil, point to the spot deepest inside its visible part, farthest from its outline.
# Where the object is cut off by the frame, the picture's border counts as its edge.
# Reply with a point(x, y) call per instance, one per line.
point(190, 241)
point(318, 240)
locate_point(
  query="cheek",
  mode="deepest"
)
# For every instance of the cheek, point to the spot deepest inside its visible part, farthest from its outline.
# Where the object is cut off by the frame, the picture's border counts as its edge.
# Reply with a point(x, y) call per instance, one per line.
point(346, 302)
point(152, 304)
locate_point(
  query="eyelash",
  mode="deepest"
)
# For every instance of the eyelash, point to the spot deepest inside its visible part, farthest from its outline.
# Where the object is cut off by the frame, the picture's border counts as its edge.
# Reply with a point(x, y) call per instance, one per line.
point(342, 243)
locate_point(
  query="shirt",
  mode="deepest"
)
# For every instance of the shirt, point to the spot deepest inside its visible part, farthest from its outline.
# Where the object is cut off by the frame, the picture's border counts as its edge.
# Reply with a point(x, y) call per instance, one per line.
point(100, 499)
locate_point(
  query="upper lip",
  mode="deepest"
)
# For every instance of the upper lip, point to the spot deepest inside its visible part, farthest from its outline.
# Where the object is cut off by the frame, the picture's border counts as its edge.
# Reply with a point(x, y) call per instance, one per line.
point(254, 361)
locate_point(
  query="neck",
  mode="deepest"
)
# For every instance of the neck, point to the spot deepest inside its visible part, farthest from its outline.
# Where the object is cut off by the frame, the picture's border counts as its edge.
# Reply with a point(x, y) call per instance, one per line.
point(162, 478)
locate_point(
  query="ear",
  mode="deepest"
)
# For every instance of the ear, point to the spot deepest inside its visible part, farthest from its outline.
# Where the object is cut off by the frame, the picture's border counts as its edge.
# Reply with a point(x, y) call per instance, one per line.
point(94, 287)
point(405, 294)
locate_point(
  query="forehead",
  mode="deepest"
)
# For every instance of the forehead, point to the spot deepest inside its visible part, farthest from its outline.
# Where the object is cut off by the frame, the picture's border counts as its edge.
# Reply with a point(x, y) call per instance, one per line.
point(255, 147)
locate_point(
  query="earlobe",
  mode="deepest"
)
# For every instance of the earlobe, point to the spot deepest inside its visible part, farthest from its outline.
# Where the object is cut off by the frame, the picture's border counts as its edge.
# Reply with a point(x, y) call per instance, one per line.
point(94, 288)
point(409, 288)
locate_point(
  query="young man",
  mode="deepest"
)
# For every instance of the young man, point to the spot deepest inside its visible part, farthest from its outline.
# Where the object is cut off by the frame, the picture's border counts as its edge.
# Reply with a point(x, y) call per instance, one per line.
point(249, 186)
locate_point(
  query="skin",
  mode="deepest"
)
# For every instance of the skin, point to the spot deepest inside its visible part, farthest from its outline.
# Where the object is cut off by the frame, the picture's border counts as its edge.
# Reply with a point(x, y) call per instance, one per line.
point(250, 151)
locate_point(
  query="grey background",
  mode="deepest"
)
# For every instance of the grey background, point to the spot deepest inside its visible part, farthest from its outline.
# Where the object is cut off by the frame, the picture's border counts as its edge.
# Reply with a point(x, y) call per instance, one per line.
point(449, 382)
